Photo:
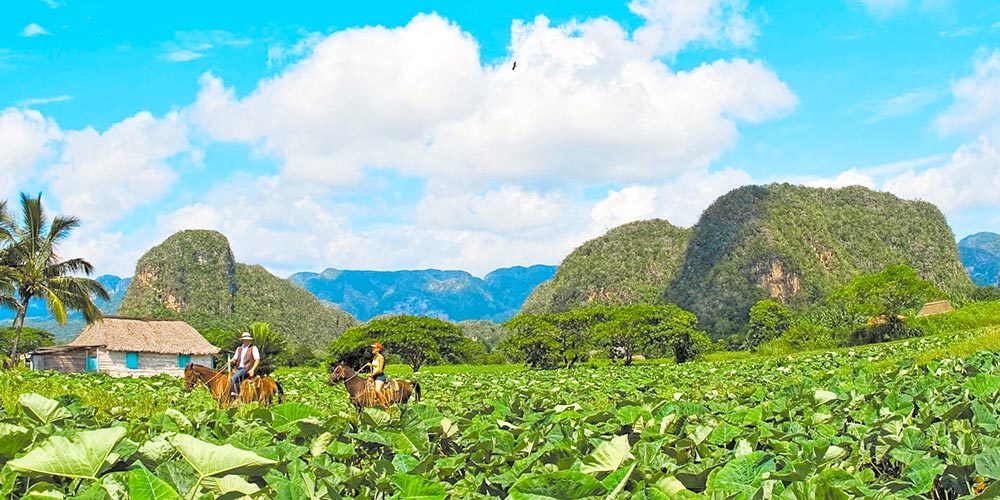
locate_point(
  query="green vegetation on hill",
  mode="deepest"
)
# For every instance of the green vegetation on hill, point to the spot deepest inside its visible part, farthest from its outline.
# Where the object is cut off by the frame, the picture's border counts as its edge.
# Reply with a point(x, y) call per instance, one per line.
point(797, 245)
point(193, 276)
point(630, 264)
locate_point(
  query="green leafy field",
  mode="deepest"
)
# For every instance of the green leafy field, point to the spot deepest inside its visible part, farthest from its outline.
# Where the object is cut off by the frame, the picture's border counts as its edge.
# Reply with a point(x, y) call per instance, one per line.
point(862, 422)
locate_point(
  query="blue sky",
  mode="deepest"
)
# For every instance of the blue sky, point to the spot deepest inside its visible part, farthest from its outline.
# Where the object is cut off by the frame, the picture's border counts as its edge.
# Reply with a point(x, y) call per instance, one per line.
point(396, 136)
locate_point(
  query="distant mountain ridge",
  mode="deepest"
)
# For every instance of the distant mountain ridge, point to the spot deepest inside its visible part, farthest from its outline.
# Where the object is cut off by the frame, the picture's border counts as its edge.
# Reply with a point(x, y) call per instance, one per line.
point(451, 295)
point(980, 254)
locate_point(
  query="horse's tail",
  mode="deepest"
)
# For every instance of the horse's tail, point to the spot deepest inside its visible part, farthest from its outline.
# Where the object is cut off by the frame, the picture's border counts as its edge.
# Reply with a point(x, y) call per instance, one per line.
point(416, 391)
point(281, 392)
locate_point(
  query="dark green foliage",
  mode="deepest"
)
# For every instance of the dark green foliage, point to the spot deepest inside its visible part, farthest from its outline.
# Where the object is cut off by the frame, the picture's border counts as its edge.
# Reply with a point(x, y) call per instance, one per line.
point(415, 339)
point(882, 299)
point(798, 244)
point(631, 264)
point(31, 339)
point(769, 319)
point(485, 331)
point(574, 338)
point(193, 276)
point(985, 294)
point(533, 341)
point(648, 329)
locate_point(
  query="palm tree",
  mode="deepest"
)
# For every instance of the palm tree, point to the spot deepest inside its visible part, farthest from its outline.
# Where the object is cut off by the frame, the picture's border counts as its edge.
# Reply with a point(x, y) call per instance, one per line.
point(34, 269)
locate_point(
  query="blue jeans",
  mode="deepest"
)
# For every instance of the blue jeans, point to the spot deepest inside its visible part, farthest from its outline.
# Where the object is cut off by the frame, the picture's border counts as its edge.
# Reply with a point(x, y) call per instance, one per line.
point(234, 383)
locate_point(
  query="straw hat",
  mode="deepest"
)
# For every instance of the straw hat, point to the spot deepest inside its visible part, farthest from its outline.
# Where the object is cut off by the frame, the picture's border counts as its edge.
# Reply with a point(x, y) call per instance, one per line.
point(246, 336)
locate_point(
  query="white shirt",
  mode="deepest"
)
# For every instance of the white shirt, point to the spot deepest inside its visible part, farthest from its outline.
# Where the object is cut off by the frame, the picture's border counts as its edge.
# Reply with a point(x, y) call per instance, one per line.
point(245, 357)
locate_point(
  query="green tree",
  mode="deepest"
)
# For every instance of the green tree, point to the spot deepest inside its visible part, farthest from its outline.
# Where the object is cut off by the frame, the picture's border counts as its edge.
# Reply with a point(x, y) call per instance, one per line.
point(769, 319)
point(883, 298)
point(31, 338)
point(533, 340)
point(417, 340)
point(573, 336)
point(646, 328)
point(33, 269)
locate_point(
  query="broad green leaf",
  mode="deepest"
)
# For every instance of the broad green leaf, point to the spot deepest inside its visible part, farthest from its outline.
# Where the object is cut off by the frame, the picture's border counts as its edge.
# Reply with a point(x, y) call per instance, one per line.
point(561, 485)
point(822, 397)
point(80, 456)
point(608, 456)
point(230, 484)
point(670, 485)
point(209, 459)
point(43, 491)
point(42, 409)
point(156, 451)
point(143, 484)
point(13, 439)
point(288, 413)
point(415, 487)
point(988, 464)
point(621, 483)
point(743, 474)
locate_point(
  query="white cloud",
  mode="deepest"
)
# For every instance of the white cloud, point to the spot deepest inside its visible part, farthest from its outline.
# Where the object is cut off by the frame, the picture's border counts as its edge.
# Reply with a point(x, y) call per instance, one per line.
point(504, 210)
point(970, 179)
point(183, 55)
point(584, 100)
point(903, 104)
point(101, 176)
point(977, 98)
point(35, 101)
point(191, 45)
point(34, 30)
point(851, 177)
point(26, 136)
point(671, 25)
point(680, 201)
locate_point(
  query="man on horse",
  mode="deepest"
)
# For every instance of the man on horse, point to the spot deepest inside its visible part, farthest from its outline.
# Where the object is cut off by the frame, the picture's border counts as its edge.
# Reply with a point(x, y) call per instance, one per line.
point(378, 365)
point(247, 359)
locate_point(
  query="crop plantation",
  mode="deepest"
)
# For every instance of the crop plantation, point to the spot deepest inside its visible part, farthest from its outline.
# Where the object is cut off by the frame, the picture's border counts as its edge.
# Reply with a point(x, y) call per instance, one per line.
point(913, 418)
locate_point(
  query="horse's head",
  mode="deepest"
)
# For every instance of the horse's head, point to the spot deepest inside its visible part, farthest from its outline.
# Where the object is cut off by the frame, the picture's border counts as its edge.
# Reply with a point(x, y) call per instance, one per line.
point(339, 374)
point(190, 377)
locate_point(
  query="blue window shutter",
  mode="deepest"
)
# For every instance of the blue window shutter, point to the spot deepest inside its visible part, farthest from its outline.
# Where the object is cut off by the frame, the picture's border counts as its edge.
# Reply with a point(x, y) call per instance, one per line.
point(132, 360)
point(183, 360)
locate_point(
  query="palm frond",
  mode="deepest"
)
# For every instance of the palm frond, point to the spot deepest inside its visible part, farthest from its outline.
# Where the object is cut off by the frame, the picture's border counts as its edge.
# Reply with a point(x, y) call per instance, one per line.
point(34, 222)
point(76, 285)
point(70, 266)
point(56, 307)
point(60, 228)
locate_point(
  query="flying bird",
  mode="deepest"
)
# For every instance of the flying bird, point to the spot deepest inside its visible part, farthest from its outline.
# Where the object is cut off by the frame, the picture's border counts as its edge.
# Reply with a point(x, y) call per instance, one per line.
point(512, 68)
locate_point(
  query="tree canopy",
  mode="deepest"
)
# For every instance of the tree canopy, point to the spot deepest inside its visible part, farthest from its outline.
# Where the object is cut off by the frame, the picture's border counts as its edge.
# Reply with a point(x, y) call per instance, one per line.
point(417, 340)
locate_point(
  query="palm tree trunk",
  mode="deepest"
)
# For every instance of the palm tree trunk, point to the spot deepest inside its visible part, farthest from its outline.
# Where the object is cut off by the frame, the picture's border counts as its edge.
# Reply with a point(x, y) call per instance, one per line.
point(18, 325)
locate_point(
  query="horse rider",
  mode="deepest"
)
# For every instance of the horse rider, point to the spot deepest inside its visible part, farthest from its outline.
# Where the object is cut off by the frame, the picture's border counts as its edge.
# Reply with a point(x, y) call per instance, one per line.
point(377, 366)
point(247, 359)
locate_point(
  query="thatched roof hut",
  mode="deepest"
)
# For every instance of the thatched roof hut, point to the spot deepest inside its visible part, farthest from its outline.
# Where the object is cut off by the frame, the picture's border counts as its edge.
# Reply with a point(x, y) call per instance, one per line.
point(145, 335)
point(936, 307)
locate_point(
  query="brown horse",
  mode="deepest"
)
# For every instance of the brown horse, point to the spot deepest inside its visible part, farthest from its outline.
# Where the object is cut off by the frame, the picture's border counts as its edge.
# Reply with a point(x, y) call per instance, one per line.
point(260, 389)
point(362, 391)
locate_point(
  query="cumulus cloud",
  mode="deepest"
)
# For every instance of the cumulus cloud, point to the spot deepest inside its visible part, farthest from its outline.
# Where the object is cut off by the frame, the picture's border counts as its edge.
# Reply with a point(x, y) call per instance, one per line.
point(102, 175)
point(681, 201)
point(34, 30)
point(670, 25)
point(503, 210)
point(969, 179)
point(26, 136)
point(585, 100)
point(976, 103)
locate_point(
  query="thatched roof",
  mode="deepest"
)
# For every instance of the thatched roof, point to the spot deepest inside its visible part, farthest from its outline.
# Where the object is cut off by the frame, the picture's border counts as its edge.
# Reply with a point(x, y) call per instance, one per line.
point(145, 335)
point(936, 307)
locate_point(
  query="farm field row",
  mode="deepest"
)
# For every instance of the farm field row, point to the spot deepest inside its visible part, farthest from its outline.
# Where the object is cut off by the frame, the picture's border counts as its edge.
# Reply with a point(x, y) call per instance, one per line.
point(862, 422)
